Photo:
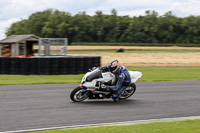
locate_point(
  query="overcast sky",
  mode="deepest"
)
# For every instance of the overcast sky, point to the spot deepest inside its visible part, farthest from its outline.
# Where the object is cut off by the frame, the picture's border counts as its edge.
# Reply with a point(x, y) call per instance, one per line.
point(15, 10)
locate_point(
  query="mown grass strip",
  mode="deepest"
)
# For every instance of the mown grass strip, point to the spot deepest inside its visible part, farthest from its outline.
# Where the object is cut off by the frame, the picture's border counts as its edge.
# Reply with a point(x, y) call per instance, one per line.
point(188, 126)
point(39, 79)
point(131, 51)
point(168, 74)
point(149, 74)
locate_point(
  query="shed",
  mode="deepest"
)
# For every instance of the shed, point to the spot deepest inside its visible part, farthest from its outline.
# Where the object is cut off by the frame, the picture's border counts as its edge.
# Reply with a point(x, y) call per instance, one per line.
point(18, 45)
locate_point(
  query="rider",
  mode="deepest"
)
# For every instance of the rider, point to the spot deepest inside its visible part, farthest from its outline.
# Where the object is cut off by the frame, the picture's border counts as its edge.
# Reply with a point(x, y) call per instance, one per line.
point(122, 77)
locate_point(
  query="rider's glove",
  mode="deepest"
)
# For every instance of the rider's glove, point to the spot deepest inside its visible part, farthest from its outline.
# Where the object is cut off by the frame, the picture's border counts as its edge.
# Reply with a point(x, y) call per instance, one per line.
point(105, 87)
point(101, 86)
point(94, 68)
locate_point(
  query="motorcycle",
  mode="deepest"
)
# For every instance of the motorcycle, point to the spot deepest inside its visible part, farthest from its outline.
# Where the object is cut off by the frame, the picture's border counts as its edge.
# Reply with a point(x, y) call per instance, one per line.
point(92, 81)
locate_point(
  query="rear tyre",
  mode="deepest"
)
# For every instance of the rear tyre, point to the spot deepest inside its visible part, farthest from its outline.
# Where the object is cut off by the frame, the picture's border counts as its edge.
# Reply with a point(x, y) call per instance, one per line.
point(128, 92)
point(78, 94)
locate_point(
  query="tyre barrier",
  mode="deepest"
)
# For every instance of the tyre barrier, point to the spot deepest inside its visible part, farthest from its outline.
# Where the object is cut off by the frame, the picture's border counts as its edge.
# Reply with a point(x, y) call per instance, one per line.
point(5, 65)
point(48, 65)
point(24, 66)
point(14, 66)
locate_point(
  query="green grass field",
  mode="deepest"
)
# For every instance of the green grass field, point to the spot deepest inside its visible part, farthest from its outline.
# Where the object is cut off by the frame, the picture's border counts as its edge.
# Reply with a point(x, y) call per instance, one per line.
point(132, 51)
point(149, 74)
point(188, 126)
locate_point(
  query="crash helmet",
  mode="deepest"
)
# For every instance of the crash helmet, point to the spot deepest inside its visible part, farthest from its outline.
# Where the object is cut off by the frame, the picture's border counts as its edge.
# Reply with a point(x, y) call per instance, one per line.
point(114, 66)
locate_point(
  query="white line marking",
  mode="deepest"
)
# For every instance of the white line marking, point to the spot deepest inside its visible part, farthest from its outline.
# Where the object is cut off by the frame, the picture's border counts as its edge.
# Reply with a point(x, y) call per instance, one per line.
point(111, 124)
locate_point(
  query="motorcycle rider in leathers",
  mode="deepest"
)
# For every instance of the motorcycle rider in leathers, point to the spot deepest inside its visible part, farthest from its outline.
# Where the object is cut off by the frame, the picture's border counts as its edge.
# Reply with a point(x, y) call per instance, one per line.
point(122, 77)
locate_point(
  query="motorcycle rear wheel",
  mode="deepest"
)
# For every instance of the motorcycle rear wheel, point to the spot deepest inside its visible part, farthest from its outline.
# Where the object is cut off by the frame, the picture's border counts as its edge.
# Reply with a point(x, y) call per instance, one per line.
point(128, 92)
point(78, 94)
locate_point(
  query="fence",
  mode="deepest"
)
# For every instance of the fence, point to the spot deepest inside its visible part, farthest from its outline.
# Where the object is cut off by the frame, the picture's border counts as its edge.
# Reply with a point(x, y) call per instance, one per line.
point(52, 65)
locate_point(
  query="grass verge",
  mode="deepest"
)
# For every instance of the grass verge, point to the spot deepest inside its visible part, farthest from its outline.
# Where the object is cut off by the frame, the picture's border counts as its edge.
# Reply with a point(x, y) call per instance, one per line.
point(168, 74)
point(39, 79)
point(188, 126)
point(149, 74)
point(132, 51)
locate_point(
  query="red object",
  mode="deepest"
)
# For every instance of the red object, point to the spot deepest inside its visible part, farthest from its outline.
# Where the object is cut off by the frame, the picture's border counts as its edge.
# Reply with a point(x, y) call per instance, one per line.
point(20, 56)
point(30, 55)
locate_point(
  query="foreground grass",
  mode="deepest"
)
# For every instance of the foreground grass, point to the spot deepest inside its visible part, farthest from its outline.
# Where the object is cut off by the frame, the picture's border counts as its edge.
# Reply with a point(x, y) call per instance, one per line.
point(39, 79)
point(189, 126)
point(149, 74)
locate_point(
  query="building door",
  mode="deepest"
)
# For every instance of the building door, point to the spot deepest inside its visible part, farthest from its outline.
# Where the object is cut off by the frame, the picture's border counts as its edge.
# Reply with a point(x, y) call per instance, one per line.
point(29, 48)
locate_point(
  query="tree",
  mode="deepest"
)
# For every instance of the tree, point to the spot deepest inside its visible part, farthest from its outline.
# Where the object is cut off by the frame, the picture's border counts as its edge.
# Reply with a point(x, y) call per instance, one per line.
point(167, 32)
point(99, 27)
point(149, 28)
point(37, 21)
point(51, 27)
point(17, 28)
point(112, 27)
point(83, 24)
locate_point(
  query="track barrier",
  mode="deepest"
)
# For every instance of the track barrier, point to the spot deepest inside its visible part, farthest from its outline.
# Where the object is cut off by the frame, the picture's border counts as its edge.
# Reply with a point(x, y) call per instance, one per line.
point(48, 65)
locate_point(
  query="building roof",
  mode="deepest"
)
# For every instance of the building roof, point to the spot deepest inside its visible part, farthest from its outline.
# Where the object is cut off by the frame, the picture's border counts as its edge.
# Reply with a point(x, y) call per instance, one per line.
point(17, 38)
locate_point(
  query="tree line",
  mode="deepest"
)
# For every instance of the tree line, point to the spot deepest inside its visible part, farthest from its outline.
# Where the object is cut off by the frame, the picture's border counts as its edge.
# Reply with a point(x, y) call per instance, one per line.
point(149, 28)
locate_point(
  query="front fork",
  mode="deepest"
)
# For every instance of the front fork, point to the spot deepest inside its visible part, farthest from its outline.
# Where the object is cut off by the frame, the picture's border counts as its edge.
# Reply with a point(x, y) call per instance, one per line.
point(88, 92)
point(84, 89)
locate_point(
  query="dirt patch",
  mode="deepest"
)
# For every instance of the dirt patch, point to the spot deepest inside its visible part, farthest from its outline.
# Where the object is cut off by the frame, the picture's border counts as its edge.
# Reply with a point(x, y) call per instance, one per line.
point(150, 59)
point(144, 59)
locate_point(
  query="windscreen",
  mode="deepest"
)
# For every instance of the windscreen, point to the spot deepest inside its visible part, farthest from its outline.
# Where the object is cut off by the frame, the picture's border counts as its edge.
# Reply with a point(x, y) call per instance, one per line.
point(94, 74)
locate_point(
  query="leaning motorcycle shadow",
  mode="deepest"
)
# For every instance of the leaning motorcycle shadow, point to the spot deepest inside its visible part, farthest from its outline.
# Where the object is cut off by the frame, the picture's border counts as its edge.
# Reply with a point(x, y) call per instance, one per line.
point(110, 102)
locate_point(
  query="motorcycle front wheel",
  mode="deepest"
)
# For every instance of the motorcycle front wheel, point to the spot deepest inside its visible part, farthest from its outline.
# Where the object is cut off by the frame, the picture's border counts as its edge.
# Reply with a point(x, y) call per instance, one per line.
point(78, 94)
point(128, 92)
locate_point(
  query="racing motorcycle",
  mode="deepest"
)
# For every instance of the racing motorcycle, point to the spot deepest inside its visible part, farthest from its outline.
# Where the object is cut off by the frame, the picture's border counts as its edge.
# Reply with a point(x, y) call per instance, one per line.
point(92, 81)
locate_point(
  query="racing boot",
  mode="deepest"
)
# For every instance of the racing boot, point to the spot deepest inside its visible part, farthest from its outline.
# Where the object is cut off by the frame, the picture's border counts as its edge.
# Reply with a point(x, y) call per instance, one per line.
point(115, 96)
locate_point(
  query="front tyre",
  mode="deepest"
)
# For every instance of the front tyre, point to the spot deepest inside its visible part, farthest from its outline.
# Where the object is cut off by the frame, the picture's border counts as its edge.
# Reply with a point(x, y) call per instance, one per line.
point(128, 92)
point(78, 94)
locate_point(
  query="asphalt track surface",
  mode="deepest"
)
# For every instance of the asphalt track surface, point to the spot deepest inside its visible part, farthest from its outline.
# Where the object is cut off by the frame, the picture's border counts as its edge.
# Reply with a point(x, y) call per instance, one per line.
point(24, 107)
